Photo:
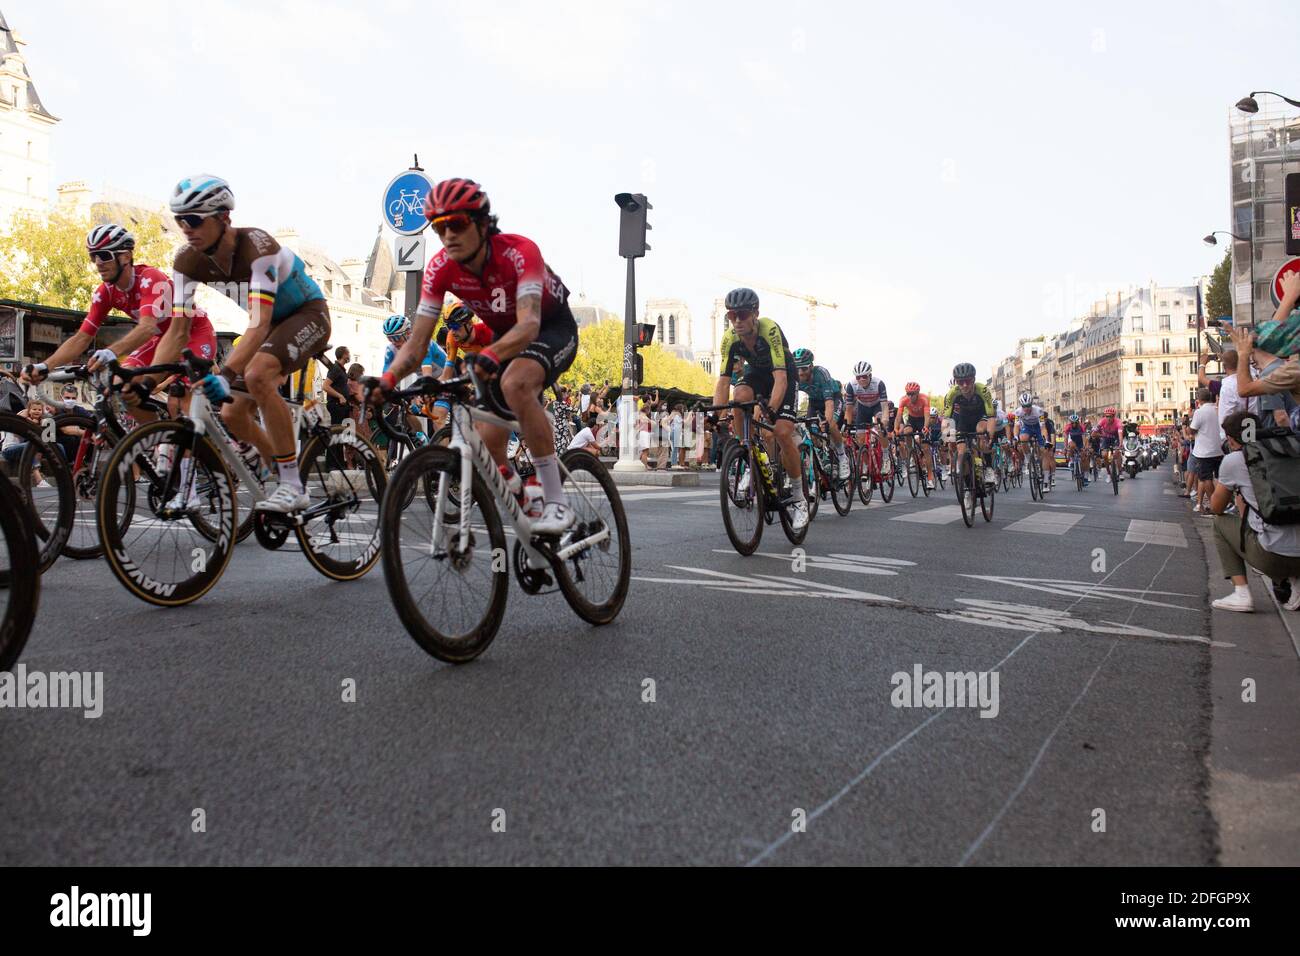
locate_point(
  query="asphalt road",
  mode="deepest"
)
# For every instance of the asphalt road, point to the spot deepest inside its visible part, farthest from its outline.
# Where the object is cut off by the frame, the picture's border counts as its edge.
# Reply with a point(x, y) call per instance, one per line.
point(773, 704)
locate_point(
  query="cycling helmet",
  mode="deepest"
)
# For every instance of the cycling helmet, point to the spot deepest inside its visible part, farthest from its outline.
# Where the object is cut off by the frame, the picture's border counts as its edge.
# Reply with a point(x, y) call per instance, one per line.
point(1025, 400)
point(456, 195)
point(1011, 416)
point(862, 368)
point(202, 194)
point(803, 358)
point(458, 316)
point(911, 387)
point(109, 238)
point(1074, 418)
point(1109, 413)
point(964, 370)
point(742, 300)
point(397, 326)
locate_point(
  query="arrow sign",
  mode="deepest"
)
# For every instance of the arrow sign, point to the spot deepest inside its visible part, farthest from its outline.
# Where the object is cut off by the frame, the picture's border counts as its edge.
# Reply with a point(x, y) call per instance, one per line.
point(408, 253)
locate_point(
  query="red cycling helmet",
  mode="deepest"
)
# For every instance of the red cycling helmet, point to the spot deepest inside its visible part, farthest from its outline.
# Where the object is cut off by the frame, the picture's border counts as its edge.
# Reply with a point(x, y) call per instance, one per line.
point(911, 387)
point(1109, 413)
point(456, 195)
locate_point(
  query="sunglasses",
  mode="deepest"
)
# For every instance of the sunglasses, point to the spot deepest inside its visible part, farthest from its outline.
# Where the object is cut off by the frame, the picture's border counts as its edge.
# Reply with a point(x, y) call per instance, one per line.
point(965, 381)
point(733, 315)
point(103, 255)
point(191, 220)
point(455, 223)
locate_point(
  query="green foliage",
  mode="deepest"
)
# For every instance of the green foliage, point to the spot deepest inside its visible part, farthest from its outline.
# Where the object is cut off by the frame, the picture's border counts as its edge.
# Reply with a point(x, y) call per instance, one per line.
point(600, 359)
point(1218, 295)
point(43, 257)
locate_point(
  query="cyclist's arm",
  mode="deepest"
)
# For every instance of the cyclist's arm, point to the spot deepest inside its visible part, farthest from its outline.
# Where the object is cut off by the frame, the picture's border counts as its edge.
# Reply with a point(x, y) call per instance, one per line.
point(72, 348)
point(780, 380)
point(155, 305)
point(528, 322)
point(721, 389)
point(178, 333)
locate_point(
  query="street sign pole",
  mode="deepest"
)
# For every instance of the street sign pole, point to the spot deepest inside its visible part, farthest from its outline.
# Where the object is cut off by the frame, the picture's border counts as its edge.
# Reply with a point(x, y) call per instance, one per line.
point(632, 228)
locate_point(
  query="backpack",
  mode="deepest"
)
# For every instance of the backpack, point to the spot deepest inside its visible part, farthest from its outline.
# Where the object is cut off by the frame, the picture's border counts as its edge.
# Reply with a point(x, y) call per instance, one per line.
point(1273, 461)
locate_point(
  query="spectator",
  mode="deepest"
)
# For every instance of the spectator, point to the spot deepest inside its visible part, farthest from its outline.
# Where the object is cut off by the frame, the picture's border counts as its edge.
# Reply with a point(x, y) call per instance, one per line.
point(13, 446)
point(1208, 448)
point(1230, 399)
point(643, 426)
point(673, 425)
point(584, 400)
point(338, 399)
point(1268, 346)
point(1244, 538)
point(586, 441)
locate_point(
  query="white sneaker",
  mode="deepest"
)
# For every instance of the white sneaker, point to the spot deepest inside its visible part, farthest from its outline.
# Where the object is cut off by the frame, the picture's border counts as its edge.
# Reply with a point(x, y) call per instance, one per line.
point(555, 520)
point(284, 500)
point(1196, 508)
point(43, 484)
point(929, 484)
point(1235, 602)
point(193, 504)
point(1294, 603)
point(799, 516)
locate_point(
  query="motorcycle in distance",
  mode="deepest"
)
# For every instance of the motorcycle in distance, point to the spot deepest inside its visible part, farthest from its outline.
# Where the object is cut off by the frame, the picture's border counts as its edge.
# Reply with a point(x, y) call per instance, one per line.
point(1132, 456)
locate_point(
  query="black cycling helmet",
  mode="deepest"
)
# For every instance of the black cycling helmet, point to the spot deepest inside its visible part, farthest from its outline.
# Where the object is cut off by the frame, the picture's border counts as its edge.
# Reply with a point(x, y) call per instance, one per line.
point(459, 315)
point(742, 300)
point(963, 370)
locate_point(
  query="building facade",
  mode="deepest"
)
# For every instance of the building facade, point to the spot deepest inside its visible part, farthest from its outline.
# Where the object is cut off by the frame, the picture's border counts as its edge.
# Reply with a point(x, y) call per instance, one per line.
point(25, 132)
point(672, 321)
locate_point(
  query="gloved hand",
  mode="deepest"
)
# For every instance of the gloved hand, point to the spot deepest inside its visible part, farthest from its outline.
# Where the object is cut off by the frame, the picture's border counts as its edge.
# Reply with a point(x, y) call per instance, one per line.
point(486, 364)
point(100, 358)
point(34, 374)
point(215, 387)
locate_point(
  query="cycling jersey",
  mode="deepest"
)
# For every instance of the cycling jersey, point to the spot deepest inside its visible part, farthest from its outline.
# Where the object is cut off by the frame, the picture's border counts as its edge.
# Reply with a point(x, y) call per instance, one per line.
point(915, 409)
point(247, 267)
point(435, 356)
point(869, 395)
point(980, 401)
point(150, 293)
point(821, 389)
point(1029, 414)
point(480, 337)
point(771, 351)
point(1108, 427)
point(1075, 434)
point(513, 268)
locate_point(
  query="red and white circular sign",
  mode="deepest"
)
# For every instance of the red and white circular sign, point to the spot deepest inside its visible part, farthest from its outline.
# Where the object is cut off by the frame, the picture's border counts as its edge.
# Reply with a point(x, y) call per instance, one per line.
point(1291, 265)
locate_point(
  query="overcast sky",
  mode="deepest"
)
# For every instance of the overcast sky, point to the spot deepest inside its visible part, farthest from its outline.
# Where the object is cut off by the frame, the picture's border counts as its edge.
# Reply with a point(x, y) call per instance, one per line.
point(949, 173)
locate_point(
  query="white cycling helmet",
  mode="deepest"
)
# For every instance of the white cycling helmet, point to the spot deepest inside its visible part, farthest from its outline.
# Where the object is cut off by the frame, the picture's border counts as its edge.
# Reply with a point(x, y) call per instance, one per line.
point(109, 238)
point(862, 368)
point(1025, 399)
point(202, 194)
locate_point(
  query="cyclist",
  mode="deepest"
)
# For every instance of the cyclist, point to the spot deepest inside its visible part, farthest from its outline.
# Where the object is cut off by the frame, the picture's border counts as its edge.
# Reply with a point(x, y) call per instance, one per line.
point(769, 375)
point(1076, 445)
point(825, 398)
point(397, 329)
point(934, 435)
point(910, 421)
point(461, 332)
point(867, 397)
point(969, 407)
point(1029, 425)
point(142, 292)
point(288, 324)
point(1108, 428)
point(1049, 440)
point(503, 279)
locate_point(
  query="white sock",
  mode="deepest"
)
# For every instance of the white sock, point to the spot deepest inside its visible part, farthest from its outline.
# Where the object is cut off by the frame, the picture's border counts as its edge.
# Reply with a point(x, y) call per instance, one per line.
point(548, 473)
point(288, 471)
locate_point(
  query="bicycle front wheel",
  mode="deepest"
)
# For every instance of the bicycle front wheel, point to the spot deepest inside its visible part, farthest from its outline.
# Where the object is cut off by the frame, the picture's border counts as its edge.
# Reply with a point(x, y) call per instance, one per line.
point(842, 485)
point(339, 530)
point(740, 488)
point(157, 553)
point(20, 576)
point(595, 577)
point(44, 485)
point(964, 481)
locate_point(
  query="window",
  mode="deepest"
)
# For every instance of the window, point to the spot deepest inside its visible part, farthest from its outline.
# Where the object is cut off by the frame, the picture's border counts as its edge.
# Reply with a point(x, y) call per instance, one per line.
point(1137, 347)
point(29, 149)
point(1191, 367)
point(1164, 323)
point(1191, 396)
point(1191, 345)
point(29, 185)
point(1164, 368)
point(1191, 321)
point(1164, 346)
point(660, 323)
point(1167, 393)
point(1139, 394)
point(1138, 369)
point(672, 330)
point(1033, 353)
point(1164, 303)
point(1137, 324)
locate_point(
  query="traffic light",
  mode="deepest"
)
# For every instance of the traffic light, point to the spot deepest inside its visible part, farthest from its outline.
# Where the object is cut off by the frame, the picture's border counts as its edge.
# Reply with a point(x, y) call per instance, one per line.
point(645, 334)
point(632, 225)
point(640, 368)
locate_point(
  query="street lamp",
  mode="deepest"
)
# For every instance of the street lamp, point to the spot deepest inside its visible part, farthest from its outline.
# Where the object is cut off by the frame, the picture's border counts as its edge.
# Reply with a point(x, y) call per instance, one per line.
point(1211, 241)
point(1248, 104)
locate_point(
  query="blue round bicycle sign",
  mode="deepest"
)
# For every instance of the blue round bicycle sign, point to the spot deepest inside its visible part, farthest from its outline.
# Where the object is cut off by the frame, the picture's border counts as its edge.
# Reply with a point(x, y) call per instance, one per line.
point(404, 202)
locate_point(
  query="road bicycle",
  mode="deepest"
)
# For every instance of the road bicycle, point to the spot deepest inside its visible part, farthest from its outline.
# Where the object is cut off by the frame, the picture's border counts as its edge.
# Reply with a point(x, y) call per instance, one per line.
point(914, 454)
point(1001, 463)
point(874, 465)
point(1034, 459)
point(44, 485)
point(936, 462)
point(171, 548)
point(968, 480)
point(752, 484)
point(1076, 466)
point(20, 573)
point(444, 555)
point(822, 467)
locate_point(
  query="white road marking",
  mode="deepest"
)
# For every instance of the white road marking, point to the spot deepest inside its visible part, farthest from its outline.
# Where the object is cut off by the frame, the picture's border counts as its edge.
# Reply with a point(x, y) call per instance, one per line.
point(1086, 589)
point(1045, 522)
point(1167, 533)
point(668, 495)
point(1041, 620)
point(850, 563)
point(942, 515)
point(766, 584)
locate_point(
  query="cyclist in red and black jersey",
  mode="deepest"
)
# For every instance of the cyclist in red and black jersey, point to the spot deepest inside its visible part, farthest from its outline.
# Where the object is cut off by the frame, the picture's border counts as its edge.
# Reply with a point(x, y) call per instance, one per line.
point(503, 279)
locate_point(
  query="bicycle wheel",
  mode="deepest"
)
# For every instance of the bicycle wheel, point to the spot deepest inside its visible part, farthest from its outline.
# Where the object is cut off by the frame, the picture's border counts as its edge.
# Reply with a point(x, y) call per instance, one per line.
point(83, 543)
point(20, 574)
point(52, 509)
point(339, 530)
point(811, 480)
point(862, 474)
point(963, 482)
point(449, 593)
point(914, 472)
point(887, 474)
point(1114, 474)
point(1035, 476)
point(741, 490)
point(783, 511)
point(938, 469)
point(594, 579)
point(987, 498)
point(160, 556)
point(842, 485)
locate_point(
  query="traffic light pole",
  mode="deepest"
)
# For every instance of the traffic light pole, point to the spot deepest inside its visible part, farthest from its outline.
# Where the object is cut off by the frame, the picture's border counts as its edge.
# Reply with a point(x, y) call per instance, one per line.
point(627, 454)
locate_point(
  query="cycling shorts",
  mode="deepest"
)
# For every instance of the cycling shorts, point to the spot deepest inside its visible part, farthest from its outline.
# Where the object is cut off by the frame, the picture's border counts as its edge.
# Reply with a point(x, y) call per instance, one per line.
point(864, 415)
point(761, 381)
point(1031, 430)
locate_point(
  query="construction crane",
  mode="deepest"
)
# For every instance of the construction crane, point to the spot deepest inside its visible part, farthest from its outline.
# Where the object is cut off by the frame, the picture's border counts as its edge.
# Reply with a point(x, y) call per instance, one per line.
point(813, 302)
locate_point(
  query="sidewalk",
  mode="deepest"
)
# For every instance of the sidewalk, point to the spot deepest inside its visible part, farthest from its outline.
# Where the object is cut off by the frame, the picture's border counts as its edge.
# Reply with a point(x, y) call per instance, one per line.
point(1254, 759)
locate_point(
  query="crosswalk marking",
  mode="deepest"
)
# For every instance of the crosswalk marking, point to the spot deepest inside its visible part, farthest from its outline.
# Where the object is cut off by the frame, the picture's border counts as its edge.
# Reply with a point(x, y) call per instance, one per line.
point(942, 515)
point(1167, 533)
point(1045, 522)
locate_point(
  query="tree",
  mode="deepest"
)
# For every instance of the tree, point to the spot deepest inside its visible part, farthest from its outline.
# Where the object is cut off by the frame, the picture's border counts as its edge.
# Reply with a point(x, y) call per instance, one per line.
point(600, 359)
point(43, 257)
point(1218, 295)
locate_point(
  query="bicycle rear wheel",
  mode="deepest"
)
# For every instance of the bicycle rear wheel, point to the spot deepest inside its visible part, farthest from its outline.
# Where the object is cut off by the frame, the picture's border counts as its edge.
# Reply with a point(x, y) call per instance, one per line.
point(862, 474)
point(740, 488)
point(450, 594)
point(987, 498)
point(811, 480)
point(339, 531)
point(887, 475)
point(842, 485)
point(20, 576)
point(964, 482)
point(51, 510)
point(914, 471)
point(799, 487)
point(596, 578)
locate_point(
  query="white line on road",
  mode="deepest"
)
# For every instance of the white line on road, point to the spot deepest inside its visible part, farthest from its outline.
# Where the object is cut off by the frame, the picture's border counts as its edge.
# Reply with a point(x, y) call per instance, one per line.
point(1045, 522)
point(1167, 533)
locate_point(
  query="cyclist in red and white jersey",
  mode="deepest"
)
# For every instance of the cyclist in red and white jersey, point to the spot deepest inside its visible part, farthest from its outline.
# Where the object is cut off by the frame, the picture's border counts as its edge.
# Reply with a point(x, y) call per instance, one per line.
point(503, 279)
point(142, 292)
point(1108, 427)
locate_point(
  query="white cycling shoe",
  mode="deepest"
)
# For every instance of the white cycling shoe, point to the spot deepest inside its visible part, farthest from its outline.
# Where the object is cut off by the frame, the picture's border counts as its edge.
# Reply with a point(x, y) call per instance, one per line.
point(798, 516)
point(283, 500)
point(193, 504)
point(555, 520)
